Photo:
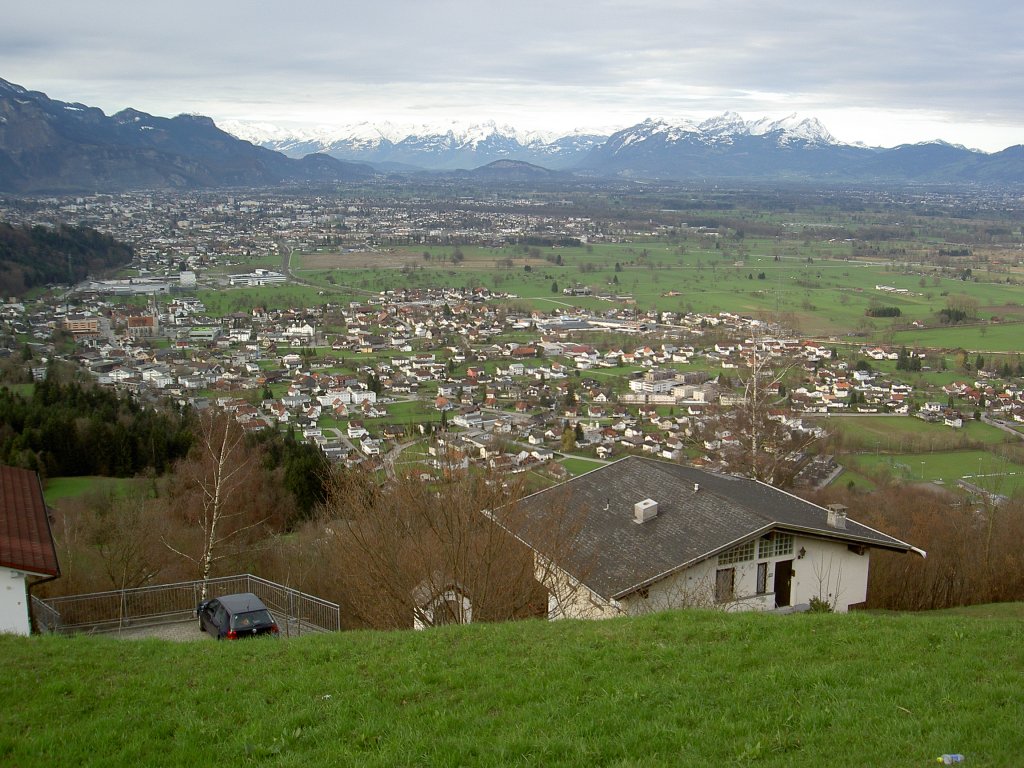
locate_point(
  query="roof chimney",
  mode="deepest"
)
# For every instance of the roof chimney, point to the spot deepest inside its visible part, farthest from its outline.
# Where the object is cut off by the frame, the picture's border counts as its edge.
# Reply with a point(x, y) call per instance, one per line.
point(836, 515)
point(645, 510)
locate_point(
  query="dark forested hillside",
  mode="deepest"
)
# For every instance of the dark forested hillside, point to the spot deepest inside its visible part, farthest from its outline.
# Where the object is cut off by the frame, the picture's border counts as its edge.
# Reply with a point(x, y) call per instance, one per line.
point(38, 255)
point(71, 429)
point(68, 429)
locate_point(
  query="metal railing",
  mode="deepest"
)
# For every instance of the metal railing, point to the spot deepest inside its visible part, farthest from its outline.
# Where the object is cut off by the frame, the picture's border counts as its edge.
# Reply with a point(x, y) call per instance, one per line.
point(296, 612)
point(45, 618)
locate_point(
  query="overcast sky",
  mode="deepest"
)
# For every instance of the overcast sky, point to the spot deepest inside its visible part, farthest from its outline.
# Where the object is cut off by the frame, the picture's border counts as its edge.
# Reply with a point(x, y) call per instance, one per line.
point(882, 73)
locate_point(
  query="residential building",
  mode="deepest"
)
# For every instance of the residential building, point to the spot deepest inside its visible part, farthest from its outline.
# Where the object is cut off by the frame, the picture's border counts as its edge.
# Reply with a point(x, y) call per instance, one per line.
point(652, 535)
point(27, 551)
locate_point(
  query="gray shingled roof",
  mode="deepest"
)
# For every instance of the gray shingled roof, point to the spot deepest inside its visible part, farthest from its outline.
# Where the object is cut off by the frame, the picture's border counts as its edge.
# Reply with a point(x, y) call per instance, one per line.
point(613, 555)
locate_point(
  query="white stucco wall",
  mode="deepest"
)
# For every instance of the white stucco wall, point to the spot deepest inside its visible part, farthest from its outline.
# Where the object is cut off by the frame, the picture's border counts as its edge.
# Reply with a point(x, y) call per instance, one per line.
point(426, 619)
point(831, 572)
point(13, 602)
point(828, 570)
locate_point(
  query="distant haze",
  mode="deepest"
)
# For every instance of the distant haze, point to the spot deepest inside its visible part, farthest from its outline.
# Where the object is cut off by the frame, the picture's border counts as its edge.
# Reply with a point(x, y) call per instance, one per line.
point(881, 73)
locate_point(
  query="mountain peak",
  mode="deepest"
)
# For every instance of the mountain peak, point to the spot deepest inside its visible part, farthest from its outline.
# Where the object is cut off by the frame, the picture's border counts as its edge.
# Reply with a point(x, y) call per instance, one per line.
point(130, 115)
point(191, 117)
point(11, 87)
point(51, 145)
point(727, 123)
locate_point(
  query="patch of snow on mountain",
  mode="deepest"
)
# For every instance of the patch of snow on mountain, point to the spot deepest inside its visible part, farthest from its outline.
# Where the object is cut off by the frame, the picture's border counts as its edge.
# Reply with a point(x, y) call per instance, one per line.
point(811, 130)
point(726, 124)
point(264, 133)
point(681, 130)
point(793, 128)
point(366, 135)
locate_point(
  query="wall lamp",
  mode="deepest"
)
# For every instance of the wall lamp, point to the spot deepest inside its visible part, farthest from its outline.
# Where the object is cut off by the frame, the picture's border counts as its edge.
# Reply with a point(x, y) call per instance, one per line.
point(801, 554)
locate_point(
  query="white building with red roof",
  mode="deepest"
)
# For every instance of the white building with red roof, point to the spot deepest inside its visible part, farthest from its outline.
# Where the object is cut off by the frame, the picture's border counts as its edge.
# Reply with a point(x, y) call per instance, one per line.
point(27, 552)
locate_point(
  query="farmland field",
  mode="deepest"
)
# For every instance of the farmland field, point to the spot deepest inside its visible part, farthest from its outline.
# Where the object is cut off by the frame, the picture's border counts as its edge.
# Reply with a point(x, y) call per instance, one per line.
point(979, 468)
point(892, 433)
point(58, 488)
point(876, 449)
point(817, 288)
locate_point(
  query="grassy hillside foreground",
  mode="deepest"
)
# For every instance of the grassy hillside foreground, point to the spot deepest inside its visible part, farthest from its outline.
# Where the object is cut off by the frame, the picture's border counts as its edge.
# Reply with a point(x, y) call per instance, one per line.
point(679, 689)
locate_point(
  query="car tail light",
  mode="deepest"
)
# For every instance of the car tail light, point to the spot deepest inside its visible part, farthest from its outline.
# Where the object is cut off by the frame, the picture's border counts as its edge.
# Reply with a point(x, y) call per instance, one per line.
point(273, 628)
point(232, 635)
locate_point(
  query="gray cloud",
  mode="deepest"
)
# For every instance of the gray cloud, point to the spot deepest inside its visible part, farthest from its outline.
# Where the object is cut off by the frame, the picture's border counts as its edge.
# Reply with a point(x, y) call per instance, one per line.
point(629, 56)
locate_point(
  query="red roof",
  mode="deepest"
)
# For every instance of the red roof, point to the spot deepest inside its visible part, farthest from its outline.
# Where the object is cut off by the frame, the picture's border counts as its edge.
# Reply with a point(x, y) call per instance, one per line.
point(26, 543)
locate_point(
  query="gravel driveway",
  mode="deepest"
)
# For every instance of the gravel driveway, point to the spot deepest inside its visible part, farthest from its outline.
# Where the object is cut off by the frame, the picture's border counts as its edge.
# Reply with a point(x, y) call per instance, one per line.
point(178, 631)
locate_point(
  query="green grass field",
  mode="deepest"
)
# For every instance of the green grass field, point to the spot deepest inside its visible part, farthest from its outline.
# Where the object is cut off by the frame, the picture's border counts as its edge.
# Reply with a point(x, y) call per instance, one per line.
point(814, 286)
point(224, 302)
point(577, 466)
point(57, 488)
point(907, 449)
point(23, 390)
point(1003, 337)
point(977, 467)
point(897, 433)
point(675, 689)
point(987, 611)
point(852, 479)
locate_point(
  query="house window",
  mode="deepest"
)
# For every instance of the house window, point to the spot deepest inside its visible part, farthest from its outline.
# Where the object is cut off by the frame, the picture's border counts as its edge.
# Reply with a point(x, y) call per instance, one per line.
point(738, 554)
point(725, 584)
point(775, 545)
point(762, 578)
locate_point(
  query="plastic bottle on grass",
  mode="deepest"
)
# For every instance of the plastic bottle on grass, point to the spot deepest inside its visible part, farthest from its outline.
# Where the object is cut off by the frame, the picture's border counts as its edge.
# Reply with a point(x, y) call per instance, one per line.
point(949, 759)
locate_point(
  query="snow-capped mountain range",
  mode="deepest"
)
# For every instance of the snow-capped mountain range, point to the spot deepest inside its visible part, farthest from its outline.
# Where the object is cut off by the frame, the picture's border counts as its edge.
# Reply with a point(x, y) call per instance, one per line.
point(466, 145)
point(725, 128)
point(48, 145)
point(434, 147)
point(369, 135)
point(795, 148)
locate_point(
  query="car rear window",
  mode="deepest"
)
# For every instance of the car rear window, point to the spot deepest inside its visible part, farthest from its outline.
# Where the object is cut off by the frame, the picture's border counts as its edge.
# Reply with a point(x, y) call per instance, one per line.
point(259, 618)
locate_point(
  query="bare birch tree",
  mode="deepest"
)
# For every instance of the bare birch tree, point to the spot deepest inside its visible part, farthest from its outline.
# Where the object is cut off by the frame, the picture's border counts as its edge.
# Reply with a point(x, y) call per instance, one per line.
point(219, 467)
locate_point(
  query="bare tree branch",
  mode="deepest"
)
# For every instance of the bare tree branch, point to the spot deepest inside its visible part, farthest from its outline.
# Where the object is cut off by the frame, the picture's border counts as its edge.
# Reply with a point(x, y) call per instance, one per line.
point(217, 473)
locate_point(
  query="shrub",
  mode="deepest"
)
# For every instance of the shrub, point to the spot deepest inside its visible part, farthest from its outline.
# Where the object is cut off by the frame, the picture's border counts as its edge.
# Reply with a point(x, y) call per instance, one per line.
point(819, 605)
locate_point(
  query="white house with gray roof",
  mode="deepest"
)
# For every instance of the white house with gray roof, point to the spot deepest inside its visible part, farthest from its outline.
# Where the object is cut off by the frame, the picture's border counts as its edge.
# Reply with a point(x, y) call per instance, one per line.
point(652, 535)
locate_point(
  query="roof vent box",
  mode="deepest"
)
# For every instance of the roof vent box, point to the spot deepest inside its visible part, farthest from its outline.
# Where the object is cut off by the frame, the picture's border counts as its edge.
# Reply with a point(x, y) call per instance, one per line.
point(645, 510)
point(836, 515)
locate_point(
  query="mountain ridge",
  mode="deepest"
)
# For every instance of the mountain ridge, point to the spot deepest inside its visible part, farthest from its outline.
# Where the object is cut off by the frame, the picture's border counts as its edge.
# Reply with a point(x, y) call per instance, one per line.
point(791, 148)
point(52, 146)
point(449, 146)
point(453, 145)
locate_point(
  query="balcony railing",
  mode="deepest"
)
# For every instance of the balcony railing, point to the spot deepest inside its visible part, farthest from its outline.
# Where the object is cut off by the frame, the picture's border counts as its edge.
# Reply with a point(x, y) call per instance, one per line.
point(296, 612)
